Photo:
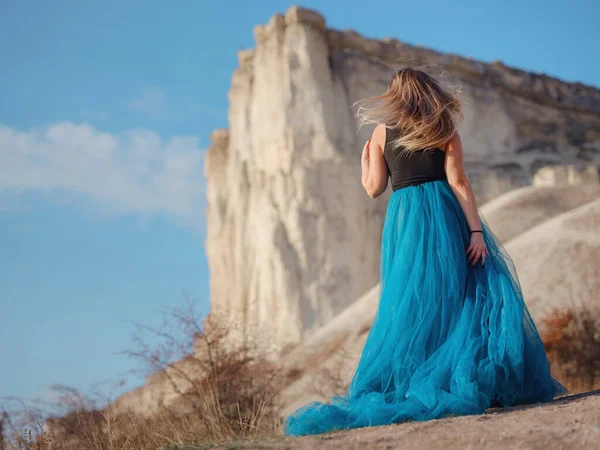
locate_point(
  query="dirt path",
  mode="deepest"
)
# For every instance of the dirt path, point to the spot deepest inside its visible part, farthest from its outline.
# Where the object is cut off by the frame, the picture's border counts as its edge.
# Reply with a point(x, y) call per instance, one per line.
point(571, 422)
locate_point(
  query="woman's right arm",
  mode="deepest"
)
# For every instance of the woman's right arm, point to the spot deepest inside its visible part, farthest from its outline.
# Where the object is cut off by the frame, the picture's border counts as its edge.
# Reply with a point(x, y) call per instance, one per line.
point(459, 182)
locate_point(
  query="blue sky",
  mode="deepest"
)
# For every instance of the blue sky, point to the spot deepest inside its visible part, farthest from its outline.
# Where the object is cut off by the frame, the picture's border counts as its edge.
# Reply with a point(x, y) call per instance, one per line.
point(105, 112)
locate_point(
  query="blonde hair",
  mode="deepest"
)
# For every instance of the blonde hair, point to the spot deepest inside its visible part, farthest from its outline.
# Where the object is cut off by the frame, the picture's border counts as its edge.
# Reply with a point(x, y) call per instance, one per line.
point(426, 114)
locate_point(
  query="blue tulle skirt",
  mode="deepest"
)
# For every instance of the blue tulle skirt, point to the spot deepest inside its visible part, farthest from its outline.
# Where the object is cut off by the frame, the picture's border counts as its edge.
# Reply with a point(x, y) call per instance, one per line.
point(447, 338)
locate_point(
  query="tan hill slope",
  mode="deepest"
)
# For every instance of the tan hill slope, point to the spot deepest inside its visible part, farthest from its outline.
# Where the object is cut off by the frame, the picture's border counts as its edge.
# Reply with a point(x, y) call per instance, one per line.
point(521, 209)
point(558, 262)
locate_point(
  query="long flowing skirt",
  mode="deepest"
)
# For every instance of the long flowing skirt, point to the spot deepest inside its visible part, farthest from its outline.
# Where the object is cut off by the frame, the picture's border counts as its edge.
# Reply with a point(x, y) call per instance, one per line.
point(447, 338)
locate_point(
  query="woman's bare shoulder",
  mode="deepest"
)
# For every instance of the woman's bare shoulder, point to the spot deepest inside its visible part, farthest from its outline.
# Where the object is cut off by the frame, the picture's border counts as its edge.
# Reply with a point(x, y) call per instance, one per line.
point(379, 134)
point(454, 144)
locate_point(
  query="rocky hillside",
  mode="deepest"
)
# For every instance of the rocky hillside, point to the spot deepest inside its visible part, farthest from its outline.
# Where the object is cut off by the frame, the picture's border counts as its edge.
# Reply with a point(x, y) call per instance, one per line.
point(559, 261)
point(522, 209)
point(292, 237)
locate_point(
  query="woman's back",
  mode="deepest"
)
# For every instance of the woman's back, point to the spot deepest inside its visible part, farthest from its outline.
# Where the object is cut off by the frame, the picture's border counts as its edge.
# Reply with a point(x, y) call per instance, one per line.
point(410, 168)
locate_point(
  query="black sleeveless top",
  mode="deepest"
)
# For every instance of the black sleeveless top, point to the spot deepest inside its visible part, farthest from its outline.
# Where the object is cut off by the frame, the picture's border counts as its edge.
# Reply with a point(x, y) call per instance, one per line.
point(414, 167)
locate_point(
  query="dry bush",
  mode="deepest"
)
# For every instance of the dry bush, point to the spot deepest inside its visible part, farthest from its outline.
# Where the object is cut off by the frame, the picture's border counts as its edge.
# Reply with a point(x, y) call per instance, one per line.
point(572, 340)
point(128, 430)
point(31, 437)
point(231, 385)
point(219, 389)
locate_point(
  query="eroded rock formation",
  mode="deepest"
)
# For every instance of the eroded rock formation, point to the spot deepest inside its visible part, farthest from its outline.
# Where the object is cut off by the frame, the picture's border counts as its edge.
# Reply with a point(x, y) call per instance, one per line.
point(292, 237)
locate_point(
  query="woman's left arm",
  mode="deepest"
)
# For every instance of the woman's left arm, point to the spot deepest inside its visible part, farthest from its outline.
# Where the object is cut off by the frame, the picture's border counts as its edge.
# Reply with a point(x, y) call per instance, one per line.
point(374, 169)
point(459, 182)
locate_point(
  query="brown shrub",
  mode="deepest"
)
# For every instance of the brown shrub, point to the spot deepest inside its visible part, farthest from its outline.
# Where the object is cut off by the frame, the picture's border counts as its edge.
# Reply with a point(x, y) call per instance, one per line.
point(572, 340)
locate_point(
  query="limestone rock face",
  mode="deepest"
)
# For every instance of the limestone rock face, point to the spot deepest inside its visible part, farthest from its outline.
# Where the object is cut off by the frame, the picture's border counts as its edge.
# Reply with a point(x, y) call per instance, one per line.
point(292, 237)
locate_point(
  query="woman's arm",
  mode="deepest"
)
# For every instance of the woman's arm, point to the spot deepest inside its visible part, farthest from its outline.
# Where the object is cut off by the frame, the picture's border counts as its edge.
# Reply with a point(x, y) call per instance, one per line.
point(374, 169)
point(459, 182)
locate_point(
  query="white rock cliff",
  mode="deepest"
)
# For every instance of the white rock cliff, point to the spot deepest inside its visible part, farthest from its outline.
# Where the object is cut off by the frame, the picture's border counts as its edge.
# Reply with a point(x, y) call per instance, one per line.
point(292, 237)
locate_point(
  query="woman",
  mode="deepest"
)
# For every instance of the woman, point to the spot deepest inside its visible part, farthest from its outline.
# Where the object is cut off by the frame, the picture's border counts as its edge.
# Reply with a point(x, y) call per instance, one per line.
point(451, 334)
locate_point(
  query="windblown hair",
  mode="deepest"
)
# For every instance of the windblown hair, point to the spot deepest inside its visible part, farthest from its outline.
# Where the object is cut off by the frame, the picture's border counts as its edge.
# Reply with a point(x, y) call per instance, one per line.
point(427, 114)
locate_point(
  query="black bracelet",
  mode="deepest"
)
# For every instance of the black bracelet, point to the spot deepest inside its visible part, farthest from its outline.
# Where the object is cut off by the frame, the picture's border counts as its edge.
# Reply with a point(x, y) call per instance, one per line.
point(475, 231)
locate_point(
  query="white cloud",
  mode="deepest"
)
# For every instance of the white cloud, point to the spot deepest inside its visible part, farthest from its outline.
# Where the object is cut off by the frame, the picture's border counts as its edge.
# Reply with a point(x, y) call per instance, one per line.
point(131, 172)
point(151, 102)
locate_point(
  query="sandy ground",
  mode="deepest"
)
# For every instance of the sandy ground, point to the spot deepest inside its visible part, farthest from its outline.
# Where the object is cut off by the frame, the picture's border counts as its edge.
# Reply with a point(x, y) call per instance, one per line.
point(571, 422)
